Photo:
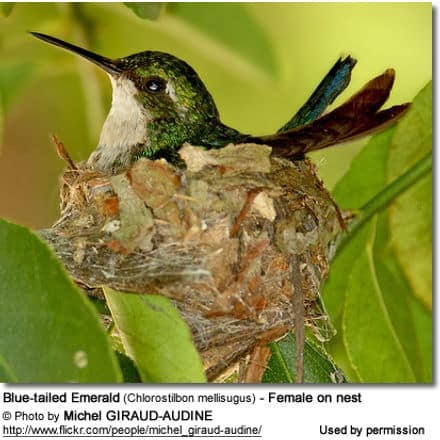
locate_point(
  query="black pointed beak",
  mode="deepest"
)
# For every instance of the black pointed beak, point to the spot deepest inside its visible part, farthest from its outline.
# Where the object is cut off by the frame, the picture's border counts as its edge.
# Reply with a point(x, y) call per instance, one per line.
point(106, 64)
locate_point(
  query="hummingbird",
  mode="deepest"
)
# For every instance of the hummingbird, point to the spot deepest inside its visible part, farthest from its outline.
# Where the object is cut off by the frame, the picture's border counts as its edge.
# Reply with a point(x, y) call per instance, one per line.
point(159, 103)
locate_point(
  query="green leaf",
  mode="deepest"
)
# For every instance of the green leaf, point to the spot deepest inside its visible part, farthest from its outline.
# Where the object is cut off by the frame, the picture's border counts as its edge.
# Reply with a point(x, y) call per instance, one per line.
point(422, 319)
point(232, 25)
point(373, 344)
point(360, 184)
point(365, 178)
point(318, 366)
point(398, 292)
point(155, 337)
point(49, 330)
point(150, 10)
point(383, 334)
point(411, 214)
point(6, 8)
point(6, 375)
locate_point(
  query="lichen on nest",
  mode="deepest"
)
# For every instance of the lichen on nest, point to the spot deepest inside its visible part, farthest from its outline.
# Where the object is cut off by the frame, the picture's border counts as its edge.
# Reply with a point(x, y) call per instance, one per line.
point(218, 238)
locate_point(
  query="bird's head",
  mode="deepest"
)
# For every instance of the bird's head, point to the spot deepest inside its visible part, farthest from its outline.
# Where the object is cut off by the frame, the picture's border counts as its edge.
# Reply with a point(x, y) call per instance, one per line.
point(158, 103)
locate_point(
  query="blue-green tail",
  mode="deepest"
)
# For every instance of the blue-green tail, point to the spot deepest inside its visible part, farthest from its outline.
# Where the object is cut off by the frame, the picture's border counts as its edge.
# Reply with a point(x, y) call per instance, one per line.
point(336, 80)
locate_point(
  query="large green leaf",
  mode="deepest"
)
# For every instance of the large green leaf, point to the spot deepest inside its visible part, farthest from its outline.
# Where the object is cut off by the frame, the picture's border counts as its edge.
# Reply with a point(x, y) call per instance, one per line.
point(334, 299)
point(360, 184)
point(365, 177)
point(411, 214)
point(49, 332)
point(382, 331)
point(409, 326)
point(155, 337)
point(6, 374)
point(373, 343)
point(318, 366)
point(422, 319)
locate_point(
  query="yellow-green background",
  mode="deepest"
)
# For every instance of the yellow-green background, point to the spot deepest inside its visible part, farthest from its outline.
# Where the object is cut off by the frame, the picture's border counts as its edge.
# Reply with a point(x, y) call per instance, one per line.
point(259, 60)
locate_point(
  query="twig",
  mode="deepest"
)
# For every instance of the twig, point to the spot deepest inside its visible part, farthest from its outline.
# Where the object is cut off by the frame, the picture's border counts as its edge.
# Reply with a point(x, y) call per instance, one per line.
point(298, 308)
point(257, 364)
point(62, 152)
point(247, 205)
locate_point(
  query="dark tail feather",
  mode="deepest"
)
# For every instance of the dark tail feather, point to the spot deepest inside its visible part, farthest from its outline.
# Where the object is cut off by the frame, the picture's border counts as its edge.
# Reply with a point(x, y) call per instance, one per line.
point(357, 117)
point(333, 84)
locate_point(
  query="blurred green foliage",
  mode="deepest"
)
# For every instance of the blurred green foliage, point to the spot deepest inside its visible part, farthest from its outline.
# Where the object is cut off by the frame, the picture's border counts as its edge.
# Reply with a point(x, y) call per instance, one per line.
point(6, 8)
point(150, 10)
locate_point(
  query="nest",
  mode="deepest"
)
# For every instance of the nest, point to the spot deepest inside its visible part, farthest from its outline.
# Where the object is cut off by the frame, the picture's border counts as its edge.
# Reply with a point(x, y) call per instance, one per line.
point(232, 240)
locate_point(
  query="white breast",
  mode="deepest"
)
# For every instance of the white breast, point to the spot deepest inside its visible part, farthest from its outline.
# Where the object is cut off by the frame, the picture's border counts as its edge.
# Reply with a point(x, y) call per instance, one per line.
point(124, 128)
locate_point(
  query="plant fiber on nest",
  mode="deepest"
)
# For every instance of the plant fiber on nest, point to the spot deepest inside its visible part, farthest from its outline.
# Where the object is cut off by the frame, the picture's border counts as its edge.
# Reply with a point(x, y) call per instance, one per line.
point(223, 239)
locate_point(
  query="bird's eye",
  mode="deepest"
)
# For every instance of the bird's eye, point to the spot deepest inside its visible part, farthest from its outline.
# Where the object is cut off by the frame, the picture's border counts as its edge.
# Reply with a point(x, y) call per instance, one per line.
point(155, 85)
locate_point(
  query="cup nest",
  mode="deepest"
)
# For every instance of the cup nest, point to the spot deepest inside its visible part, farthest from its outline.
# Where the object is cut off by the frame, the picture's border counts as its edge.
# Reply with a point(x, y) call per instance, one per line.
point(230, 240)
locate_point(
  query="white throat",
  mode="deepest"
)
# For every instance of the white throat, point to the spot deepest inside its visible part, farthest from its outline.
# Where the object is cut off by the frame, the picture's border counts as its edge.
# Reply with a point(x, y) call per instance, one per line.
point(124, 129)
